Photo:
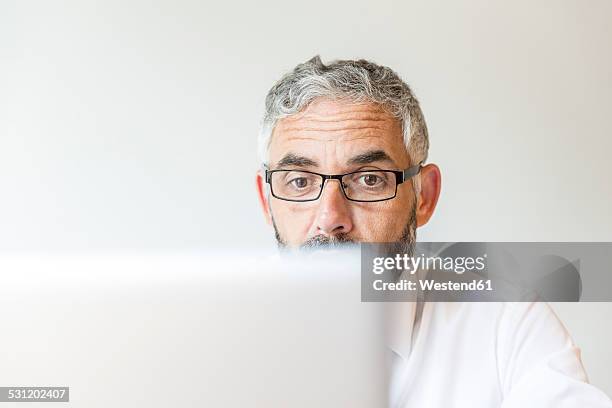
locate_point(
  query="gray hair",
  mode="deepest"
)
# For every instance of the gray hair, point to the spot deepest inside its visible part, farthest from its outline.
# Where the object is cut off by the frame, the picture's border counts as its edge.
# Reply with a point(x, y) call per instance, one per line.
point(355, 80)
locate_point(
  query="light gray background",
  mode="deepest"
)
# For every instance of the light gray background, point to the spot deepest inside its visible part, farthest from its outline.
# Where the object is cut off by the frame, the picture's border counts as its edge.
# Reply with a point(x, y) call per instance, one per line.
point(116, 117)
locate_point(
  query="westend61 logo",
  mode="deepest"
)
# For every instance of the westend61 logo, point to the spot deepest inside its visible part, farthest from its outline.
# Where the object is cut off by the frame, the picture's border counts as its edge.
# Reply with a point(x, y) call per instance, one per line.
point(410, 264)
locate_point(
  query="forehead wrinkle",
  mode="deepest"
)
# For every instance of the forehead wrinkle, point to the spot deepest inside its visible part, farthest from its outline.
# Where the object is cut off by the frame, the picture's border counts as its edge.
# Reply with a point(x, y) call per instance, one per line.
point(333, 145)
point(335, 129)
point(331, 123)
point(324, 111)
point(339, 106)
point(330, 138)
point(330, 117)
point(328, 120)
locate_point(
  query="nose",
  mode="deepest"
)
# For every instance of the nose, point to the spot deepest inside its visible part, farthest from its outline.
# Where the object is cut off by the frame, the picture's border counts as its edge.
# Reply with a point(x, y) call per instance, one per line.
point(333, 216)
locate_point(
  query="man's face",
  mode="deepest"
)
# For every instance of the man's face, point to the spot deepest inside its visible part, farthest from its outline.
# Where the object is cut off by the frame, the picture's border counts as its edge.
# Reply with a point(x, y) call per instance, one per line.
point(337, 137)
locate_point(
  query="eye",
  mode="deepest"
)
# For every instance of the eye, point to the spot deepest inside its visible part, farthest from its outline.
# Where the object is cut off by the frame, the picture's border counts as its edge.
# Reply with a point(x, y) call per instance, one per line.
point(371, 180)
point(299, 182)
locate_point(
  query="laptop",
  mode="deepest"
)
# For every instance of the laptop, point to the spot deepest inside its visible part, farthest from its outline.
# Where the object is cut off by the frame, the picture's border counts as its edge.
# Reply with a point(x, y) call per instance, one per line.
point(220, 329)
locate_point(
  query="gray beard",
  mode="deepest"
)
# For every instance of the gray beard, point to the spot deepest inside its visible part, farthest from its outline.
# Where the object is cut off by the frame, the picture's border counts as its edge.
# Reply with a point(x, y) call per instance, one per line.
point(404, 244)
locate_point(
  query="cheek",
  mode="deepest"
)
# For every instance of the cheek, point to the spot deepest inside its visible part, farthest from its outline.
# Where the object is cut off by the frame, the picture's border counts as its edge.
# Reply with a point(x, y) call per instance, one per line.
point(292, 219)
point(384, 221)
point(372, 221)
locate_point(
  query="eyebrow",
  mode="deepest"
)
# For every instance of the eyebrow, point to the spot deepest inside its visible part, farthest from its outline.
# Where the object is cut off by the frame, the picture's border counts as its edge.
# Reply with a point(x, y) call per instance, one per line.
point(291, 159)
point(370, 157)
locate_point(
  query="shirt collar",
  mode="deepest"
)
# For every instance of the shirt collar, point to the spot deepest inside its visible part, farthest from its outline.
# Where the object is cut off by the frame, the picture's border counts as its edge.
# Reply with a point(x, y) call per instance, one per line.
point(400, 327)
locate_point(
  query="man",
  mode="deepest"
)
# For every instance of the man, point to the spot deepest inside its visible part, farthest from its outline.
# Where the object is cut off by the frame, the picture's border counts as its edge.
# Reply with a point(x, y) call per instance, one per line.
point(344, 148)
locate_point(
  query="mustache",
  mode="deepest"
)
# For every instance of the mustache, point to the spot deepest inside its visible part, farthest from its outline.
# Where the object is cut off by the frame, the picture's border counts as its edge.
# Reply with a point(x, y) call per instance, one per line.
point(323, 241)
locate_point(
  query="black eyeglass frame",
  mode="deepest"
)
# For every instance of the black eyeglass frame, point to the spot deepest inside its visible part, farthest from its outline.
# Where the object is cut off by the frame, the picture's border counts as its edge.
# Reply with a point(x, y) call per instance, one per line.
point(400, 177)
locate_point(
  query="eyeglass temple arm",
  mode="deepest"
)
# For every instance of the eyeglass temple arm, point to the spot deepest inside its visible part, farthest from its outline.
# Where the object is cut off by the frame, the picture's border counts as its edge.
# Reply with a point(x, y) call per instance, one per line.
point(411, 171)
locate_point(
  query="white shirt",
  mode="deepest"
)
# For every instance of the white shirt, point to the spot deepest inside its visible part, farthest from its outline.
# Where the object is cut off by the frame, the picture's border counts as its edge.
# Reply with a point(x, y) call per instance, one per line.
point(507, 355)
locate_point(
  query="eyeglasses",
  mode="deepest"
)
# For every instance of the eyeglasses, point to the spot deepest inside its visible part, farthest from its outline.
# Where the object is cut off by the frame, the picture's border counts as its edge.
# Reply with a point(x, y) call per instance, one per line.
point(362, 186)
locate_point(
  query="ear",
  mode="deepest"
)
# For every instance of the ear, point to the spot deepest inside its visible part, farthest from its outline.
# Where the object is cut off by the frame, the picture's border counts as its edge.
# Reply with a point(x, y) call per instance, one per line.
point(263, 196)
point(430, 191)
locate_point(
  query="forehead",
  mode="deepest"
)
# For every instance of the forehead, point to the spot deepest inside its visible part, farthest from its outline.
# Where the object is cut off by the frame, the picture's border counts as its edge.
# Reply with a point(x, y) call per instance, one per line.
point(342, 127)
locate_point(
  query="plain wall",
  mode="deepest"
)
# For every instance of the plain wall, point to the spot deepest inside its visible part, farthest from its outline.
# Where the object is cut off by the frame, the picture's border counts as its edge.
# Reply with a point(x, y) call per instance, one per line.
point(132, 124)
